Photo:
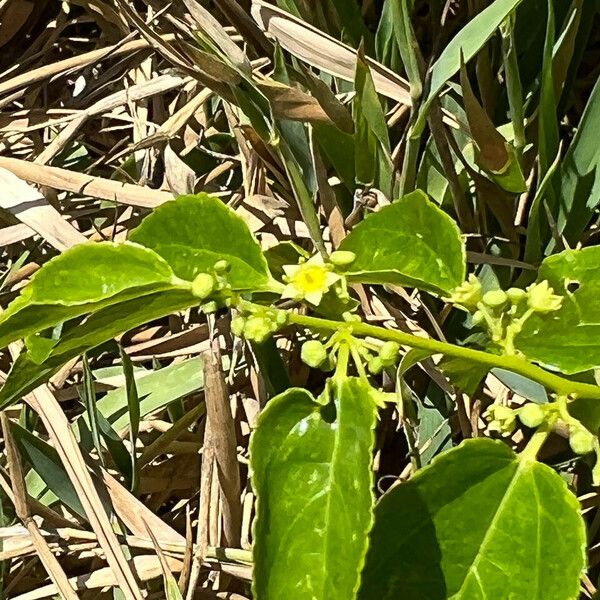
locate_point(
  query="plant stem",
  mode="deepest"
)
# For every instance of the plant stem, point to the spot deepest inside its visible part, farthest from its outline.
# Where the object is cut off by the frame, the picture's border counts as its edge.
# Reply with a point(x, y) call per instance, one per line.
point(537, 441)
point(515, 364)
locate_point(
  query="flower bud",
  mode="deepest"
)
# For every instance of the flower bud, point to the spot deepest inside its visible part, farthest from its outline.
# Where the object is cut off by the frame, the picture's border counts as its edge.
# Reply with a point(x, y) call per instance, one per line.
point(581, 441)
point(495, 298)
point(203, 285)
point(388, 353)
point(375, 365)
point(237, 325)
point(313, 353)
point(342, 258)
point(208, 308)
point(532, 415)
point(516, 295)
point(257, 328)
point(222, 266)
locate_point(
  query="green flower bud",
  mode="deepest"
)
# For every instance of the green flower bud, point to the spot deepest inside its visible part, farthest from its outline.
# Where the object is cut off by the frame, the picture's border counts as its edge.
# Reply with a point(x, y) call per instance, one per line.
point(203, 285)
point(495, 298)
point(313, 353)
point(375, 365)
point(237, 325)
point(209, 308)
point(532, 415)
point(388, 353)
point(257, 328)
point(516, 295)
point(581, 441)
point(342, 258)
point(222, 266)
point(281, 318)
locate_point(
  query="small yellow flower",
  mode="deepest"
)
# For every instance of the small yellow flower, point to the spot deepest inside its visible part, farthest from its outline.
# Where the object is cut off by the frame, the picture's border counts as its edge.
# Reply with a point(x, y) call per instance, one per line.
point(542, 299)
point(468, 293)
point(309, 281)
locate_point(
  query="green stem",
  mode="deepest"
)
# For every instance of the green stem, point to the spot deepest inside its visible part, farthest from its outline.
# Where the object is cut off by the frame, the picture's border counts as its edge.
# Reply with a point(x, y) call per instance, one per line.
point(516, 364)
point(537, 441)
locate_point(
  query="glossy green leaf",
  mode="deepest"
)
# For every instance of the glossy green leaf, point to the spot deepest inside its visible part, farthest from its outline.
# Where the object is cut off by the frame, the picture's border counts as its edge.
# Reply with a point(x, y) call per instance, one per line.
point(478, 523)
point(466, 43)
point(410, 242)
point(568, 340)
point(100, 327)
point(192, 233)
point(82, 280)
point(311, 472)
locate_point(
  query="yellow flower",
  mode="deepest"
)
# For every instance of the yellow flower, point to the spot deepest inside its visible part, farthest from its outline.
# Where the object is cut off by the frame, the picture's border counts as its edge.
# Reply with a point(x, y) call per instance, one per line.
point(542, 299)
point(309, 281)
point(468, 293)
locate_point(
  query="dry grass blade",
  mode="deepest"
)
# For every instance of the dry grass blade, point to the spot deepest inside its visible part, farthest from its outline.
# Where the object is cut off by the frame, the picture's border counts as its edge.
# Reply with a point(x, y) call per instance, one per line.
point(61, 435)
point(221, 437)
point(135, 515)
point(67, 65)
point(55, 571)
point(32, 209)
point(324, 52)
point(146, 568)
point(79, 183)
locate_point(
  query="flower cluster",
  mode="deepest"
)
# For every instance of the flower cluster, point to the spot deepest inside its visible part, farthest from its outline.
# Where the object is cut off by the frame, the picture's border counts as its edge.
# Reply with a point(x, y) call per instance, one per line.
point(504, 313)
point(258, 325)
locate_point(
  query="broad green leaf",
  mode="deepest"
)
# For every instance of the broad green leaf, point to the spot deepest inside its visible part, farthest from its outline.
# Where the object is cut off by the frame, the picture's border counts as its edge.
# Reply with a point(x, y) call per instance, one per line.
point(466, 43)
point(568, 340)
point(478, 523)
point(82, 280)
point(100, 327)
point(410, 242)
point(580, 173)
point(311, 472)
point(192, 233)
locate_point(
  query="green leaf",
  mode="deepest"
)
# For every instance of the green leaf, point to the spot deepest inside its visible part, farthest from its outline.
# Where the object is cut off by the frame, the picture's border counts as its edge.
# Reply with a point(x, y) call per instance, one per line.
point(466, 43)
point(580, 173)
point(312, 476)
point(478, 523)
point(410, 242)
point(82, 280)
point(192, 233)
point(371, 139)
point(100, 327)
point(47, 464)
point(567, 340)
